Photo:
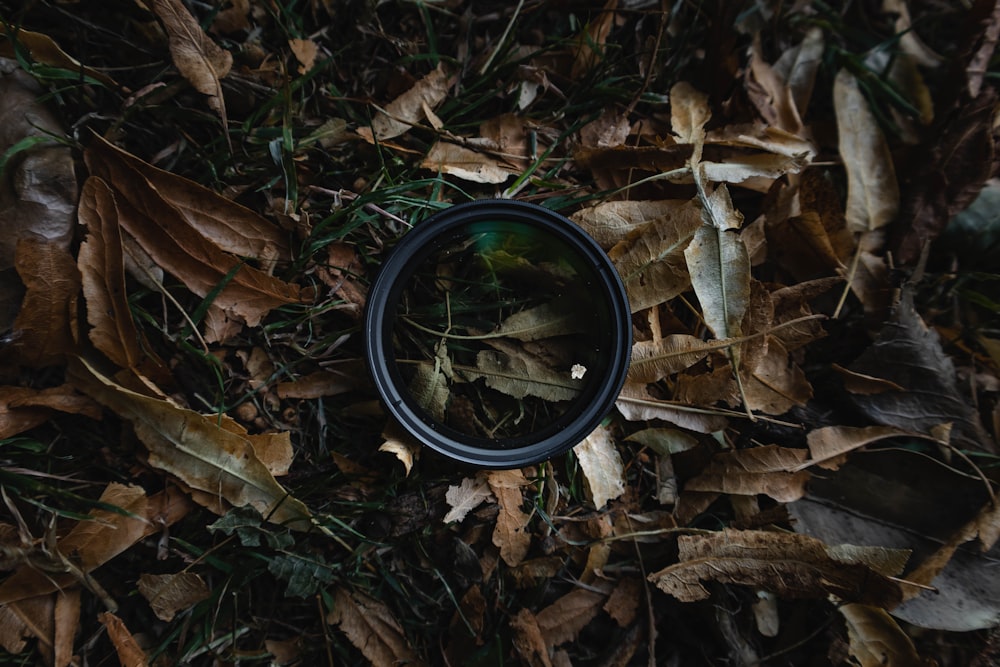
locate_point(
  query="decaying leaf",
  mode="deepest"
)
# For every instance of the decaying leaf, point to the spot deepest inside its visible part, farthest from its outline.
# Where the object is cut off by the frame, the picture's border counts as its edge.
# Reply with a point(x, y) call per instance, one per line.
point(656, 359)
point(689, 112)
point(635, 404)
point(371, 627)
point(829, 446)
point(515, 372)
point(429, 388)
point(563, 620)
point(168, 594)
point(602, 466)
point(528, 640)
point(199, 60)
point(511, 534)
point(792, 566)
point(130, 654)
point(44, 49)
point(544, 321)
point(192, 446)
point(872, 188)
point(465, 497)
point(720, 266)
point(611, 222)
point(768, 470)
point(22, 408)
point(776, 383)
point(876, 640)
point(409, 108)
point(467, 164)
point(401, 445)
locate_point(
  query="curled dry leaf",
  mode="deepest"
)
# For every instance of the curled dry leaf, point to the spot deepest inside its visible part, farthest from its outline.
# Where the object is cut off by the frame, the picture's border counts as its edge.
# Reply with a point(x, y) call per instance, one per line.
point(372, 628)
point(829, 446)
point(636, 404)
point(791, 566)
point(409, 108)
point(511, 532)
point(467, 164)
point(876, 640)
point(872, 188)
point(206, 457)
point(199, 60)
point(465, 497)
point(776, 384)
point(768, 470)
point(602, 466)
point(688, 113)
point(401, 446)
point(43, 49)
point(22, 408)
point(168, 594)
point(130, 654)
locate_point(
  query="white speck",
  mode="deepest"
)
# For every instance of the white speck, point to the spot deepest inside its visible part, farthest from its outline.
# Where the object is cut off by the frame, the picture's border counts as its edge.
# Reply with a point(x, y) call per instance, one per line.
point(577, 371)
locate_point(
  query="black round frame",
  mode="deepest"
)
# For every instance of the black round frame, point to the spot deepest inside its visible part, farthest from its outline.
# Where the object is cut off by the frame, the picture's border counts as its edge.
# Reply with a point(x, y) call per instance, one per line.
point(584, 415)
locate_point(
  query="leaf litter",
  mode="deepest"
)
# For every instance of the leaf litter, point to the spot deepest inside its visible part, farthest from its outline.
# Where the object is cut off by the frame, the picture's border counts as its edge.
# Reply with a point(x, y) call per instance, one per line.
point(763, 180)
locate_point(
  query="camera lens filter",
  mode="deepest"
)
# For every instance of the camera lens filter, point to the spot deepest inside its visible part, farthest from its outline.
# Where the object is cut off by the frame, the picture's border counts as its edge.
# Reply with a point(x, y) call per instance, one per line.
point(498, 333)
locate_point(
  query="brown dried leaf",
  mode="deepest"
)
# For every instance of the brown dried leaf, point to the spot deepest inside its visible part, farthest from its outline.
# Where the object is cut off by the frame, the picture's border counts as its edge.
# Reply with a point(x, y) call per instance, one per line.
point(544, 321)
point(623, 603)
point(636, 404)
point(689, 112)
point(409, 108)
point(829, 446)
point(168, 594)
point(372, 628)
point(798, 67)
point(528, 641)
point(43, 334)
point(467, 164)
point(199, 60)
point(563, 620)
point(764, 470)
point(771, 94)
point(589, 47)
point(465, 497)
point(22, 408)
point(872, 188)
point(611, 222)
point(511, 532)
point(516, 372)
point(602, 466)
point(319, 384)
point(777, 384)
point(792, 566)
point(45, 50)
point(102, 269)
point(13, 631)
point(192, 446)
point(651, 259)
point(875, 639)
point(305, 51)
point(653, 360)
point(130, 654)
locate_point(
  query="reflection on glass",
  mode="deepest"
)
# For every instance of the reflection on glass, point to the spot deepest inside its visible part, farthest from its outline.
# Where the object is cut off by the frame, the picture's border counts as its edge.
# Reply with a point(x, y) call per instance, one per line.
point(498, 332)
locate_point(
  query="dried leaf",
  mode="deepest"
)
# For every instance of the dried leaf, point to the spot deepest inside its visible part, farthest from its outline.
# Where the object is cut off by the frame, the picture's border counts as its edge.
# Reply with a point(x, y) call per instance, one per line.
point(305, 51)
point(465, 497)
point(611, 222)
point(791, 566)
point(602, 466)
point(544, 321)
point(636, 404)
point(872, 188)
point(330, 382)
point(429, 388)
point(13, 631)
point(650, 259)
point(771, 94)
point(664, 441)
point(776, 384)
point(408, 109)
point(909, 40)
point(515, 372)
point(130, 654)
point(720, 266)
point(102, 269)
point(168, 594)
point(829, 446)
point(199, 60)
point(688, 113)
point(623, 603)
point(511, 532)
point(528, 641)
point(403, 451)
point(203, 455)
point(372, 628)
point(43, 49)
point(42, 330)
point(654, 360)
point(22, 408)
point(563, 620)
point(760, 470)
point(467, 164)
point(798, 67)
point(588, 50)
point(875, 639)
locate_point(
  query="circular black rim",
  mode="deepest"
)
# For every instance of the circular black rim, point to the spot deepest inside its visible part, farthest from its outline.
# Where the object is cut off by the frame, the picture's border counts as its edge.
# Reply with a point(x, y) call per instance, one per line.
point(413, 249)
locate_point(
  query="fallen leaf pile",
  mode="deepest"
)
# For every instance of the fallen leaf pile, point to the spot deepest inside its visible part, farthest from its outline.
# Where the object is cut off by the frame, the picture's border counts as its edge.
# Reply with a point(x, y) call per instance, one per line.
point(798, 198)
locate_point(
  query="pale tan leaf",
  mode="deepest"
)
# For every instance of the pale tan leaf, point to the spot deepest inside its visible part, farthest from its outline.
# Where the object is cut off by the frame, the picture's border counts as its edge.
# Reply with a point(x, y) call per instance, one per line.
point(720, 267)
point(372, 628)
point(664, 441)
point(305, 51)
point(65, 625)
point(610, 222)
point(330, 382)
point(744, 168)
point(623, 603)
point(465, 497)
point(688, 113)
point(909, 40)
point(22, 408)
point(872, 188)
point(770, 92)
point(429, 389)
point(402, 450)
point(168, 594)
point(650, 260)
point(13, 631)
point(611, 129)
point(789, 565)
point(602, 466)
point(636, 404)
point(199, 60)
point(408, 109)
point(799, 65)
point(829, 445)
point(765, 614)
point(467, 164)
point(43, 49)
point(511, 532)
point(876, 640)
point(196, 449)
point(654, 360)
point(777, 383)
point(760, 470)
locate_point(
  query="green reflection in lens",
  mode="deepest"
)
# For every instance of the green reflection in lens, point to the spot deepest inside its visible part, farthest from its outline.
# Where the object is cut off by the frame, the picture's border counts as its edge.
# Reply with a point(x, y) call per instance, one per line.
point(498, 332)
